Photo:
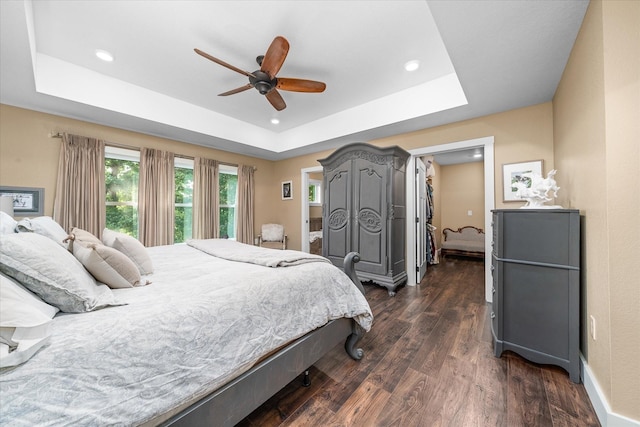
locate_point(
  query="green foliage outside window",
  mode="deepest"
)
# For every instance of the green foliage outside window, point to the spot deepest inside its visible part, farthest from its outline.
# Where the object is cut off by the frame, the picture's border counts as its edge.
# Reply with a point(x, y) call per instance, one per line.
point(312, 193)
point(121, 182)
point(228, 191)
point(121, 179)
point(183, 205)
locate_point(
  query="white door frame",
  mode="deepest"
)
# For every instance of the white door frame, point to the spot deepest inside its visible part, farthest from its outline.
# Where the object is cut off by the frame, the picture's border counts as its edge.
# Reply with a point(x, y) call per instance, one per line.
point(489, 202)
point(421, 242)
point(304, 195)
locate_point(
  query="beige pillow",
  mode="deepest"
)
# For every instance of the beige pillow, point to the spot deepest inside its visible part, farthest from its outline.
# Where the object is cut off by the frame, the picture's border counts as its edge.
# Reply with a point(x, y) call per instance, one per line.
point(82, 237)
point(107, 265)
point(131, 247)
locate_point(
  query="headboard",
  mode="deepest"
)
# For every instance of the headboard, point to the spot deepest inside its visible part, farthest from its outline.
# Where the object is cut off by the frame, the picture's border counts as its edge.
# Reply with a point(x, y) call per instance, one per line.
point(315, 224)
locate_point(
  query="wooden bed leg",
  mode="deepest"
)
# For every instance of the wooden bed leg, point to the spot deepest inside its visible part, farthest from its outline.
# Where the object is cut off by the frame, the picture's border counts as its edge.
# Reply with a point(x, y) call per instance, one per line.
point(306, 380)
point(350, 269)
point(352, 340)
point(356, 331)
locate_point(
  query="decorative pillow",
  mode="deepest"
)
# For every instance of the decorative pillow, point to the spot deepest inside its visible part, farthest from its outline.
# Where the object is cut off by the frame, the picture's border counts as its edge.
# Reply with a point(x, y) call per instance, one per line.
point(272, 232)
point(108, 265)
point(7, 223)
point(82, 237)
point(24, 323)
point(52, 273)
point(131, 247)
point(44, 225)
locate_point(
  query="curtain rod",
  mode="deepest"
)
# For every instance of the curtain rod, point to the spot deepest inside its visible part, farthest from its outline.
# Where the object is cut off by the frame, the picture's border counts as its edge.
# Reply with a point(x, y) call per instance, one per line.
point(58, 135)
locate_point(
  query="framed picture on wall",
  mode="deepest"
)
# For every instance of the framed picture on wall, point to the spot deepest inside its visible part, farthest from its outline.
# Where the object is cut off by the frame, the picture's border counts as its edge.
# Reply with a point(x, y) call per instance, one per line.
point(514, 173)
point(27, 201)
point(287, 190)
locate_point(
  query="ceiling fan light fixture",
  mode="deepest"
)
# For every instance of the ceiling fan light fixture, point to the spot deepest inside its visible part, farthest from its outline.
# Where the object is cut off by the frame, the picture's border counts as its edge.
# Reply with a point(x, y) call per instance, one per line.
point(104, 55)
point(412, 65)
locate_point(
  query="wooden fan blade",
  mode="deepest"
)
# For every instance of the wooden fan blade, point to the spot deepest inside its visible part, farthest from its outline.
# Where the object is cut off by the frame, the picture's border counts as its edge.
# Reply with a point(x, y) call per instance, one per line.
point(276, 100)
point(275, 56)
point(224, 64)
point(300, 85)
point(237, 90)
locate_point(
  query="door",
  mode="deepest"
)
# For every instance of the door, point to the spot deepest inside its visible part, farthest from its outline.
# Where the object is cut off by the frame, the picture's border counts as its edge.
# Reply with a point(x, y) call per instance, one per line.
point(336, 228)
point(421, 220)
point(370, 208)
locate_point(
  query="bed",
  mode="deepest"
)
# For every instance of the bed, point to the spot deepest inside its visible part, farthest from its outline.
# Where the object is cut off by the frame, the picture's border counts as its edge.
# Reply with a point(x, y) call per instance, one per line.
point(315, 236)
point(205, 343)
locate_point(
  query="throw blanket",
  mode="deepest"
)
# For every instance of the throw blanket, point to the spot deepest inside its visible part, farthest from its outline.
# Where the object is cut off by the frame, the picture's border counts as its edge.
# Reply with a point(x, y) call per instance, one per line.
point(241, 252)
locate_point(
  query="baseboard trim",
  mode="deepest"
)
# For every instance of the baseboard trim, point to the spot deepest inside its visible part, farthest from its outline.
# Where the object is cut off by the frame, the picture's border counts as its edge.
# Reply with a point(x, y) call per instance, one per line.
point(606, 417)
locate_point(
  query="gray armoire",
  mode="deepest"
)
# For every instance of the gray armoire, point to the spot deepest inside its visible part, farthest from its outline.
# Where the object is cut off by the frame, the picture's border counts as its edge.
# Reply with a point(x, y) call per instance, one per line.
point(364, 210)
point(536, 285)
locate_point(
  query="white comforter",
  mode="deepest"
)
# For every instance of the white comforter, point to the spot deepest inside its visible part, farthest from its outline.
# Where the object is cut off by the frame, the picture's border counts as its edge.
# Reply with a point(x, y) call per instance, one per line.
point(200, 323)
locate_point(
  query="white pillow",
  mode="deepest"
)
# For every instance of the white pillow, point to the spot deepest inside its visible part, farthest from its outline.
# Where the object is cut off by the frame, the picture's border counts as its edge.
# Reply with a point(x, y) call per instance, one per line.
point(52, 273)
point(7, 223)
point(108, 265)
point(24, 323)
point(131, 247)
point(44, 225)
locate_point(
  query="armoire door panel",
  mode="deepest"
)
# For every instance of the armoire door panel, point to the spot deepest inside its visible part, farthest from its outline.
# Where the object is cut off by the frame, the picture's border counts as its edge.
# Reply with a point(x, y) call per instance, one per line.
point(337, 228)
point(370, 215)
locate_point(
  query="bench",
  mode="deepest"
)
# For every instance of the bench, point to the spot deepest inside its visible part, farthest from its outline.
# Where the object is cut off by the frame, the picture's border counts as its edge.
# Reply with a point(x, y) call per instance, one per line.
point(465, 241)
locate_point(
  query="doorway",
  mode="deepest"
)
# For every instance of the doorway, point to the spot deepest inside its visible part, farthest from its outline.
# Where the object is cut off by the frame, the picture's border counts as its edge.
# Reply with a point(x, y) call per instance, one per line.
point(486, 144)
point(305, 205)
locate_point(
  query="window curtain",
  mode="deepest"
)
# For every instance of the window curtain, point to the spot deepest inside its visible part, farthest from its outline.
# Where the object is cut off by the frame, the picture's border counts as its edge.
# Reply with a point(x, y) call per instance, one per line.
point(206, 198)
point(156, 197)
point(80, 189)
point(246, 204)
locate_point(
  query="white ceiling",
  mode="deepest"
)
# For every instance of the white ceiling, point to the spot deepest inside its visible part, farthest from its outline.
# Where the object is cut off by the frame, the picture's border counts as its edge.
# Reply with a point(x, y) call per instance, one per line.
point(477, 58)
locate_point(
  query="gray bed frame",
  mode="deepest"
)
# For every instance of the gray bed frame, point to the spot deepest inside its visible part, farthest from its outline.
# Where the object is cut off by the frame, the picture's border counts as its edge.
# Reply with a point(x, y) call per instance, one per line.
point(234, 401)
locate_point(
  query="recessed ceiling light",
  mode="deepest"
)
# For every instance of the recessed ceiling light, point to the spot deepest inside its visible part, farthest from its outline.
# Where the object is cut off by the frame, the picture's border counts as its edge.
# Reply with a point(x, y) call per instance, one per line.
point(275, 121)
point(104, 55)
point(477, 155)
point(412, 65)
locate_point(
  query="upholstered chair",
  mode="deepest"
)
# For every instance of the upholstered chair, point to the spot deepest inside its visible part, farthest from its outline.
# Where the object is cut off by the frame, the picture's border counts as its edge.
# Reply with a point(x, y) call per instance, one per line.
point(272, 236)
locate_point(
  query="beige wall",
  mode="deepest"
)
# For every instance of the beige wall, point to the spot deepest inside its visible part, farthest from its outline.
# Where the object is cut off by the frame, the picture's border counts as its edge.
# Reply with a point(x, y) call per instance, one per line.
point(461, 190)
point(29, 157)
point(519, 135)
point(596, 113)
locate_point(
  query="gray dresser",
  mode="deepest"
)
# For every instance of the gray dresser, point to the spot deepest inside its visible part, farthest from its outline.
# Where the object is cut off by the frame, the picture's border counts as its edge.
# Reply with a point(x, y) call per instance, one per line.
point(364, 210)
point(536, 286)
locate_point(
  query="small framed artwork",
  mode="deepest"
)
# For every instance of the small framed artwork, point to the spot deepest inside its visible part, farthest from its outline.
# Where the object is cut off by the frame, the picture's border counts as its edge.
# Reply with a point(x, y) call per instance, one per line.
point(26, 201)
point(287, 190)
point(514, 173)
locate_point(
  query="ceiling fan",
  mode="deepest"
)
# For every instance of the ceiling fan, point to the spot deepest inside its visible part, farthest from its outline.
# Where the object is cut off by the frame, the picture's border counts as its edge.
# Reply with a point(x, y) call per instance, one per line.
point(265, 80)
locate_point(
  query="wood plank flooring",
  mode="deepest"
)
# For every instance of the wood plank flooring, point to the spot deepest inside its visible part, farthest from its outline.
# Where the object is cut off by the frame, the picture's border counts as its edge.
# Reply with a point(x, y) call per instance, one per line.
point(429, 362)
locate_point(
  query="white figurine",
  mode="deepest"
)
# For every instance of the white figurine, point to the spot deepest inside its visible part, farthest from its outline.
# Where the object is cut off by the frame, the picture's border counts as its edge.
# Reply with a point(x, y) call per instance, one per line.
point(538, 192)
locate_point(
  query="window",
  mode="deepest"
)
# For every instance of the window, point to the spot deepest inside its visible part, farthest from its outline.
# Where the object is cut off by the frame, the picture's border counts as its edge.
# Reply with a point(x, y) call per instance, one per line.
point(315, 192)
point(122, 169)
point(183, 200)
point(228, 181)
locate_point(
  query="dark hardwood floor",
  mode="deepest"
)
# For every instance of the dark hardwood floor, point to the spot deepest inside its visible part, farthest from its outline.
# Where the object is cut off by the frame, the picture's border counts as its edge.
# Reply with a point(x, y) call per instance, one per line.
point(429, 362)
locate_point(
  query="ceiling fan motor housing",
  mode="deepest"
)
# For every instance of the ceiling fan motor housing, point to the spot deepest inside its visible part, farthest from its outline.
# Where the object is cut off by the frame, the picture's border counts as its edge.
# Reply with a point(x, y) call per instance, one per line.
point(263, 82)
